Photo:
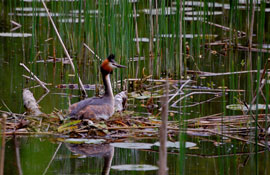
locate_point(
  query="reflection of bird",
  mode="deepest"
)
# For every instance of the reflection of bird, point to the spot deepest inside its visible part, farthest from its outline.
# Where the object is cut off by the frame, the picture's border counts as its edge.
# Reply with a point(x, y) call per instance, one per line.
point(95, 150)
point(97, 108)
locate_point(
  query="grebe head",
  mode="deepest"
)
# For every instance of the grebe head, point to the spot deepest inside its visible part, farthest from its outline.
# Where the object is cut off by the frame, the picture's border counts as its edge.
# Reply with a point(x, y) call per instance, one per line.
point(109, 64)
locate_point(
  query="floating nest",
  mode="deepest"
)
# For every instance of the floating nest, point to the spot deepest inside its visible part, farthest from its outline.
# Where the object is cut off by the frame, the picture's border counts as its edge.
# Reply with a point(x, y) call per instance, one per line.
point(124, 124)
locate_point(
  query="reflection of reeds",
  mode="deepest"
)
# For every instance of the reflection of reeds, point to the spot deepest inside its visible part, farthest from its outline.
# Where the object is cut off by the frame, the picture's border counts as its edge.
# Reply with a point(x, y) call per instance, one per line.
point(18, 158)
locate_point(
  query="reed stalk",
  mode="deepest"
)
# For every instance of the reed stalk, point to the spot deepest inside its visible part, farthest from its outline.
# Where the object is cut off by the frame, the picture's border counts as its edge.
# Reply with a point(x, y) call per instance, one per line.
point(163, 134)
point(64, 47)
point(3, 146)
point(180, 38)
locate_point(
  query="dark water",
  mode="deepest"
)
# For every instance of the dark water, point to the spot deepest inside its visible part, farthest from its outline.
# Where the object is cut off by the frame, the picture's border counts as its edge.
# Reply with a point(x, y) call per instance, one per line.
point(40, 154)
point(35, 155)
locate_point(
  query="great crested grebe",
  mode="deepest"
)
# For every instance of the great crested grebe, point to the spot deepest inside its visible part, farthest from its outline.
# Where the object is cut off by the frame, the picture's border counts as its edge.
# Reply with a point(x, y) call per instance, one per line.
point(97, 108)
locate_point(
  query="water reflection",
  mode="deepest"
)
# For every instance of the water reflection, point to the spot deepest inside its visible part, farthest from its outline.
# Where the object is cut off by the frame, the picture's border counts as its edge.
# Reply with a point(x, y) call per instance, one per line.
point(95, 150)
point(45, 155)
point(17, 152)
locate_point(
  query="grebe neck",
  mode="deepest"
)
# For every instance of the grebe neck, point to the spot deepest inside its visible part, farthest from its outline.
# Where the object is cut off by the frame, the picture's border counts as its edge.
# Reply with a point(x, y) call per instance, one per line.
point(107, 85)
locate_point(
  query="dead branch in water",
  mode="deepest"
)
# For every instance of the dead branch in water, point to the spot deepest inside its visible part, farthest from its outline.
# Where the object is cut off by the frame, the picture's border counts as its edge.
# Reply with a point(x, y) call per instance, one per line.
point(224, 27)
point(30, 103)
point(42, 84)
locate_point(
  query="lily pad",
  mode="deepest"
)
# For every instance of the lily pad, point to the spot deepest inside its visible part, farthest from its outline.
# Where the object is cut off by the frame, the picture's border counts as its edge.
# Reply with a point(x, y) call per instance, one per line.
point(30, 9)
point(240, 107)
point(187, 36)
point(142, 96)
point(146, 40)
point(15, 34)
point(201, 4)
point(176, 144)
point(71, 20)
point(200, 13)
point(132, 145)
point(88, 141)
point(135, 167)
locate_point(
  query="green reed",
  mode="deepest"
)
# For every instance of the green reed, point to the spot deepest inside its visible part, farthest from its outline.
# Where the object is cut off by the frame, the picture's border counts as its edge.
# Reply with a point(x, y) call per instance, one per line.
point(260, 34)
point(267, 89)
point(112, 30)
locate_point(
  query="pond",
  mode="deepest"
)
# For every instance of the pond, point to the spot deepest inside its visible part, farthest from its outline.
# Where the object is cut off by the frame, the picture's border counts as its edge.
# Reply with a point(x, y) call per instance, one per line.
point(43, 155)
point(212, 84)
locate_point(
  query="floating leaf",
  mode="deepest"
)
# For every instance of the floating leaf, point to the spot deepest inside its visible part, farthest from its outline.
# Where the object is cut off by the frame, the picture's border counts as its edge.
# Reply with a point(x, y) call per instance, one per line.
point(141, 96)
point(135, 167)
point(71, 20)
point(88, 141)
point(30, 9)
point(200, 13)
point(15, 34)
point(132, 145)
point(188, 36)
point(240, 107)
point(176, 144)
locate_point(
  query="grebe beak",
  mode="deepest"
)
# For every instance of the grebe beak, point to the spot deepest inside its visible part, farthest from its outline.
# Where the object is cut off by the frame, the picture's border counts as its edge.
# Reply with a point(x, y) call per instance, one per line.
point(119, 66)
point(115, 64)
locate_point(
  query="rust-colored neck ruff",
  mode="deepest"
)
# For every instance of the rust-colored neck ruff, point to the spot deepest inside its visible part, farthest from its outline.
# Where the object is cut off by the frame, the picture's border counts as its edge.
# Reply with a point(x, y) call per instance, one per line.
point(105, 66)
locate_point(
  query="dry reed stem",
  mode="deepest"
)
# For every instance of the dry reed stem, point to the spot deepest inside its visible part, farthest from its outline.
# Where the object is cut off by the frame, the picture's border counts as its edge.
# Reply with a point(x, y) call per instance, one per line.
point(211, 74)
point(42, 84)
point(64, 47)
point(180, 39)
point(193, 93)
point(163, 134)
point(87, 47)
point(2, 159)
point(236, 138)
point(137, 39)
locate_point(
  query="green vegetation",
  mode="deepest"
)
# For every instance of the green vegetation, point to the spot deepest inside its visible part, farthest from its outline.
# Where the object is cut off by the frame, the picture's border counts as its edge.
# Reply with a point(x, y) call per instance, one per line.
point(215, 55)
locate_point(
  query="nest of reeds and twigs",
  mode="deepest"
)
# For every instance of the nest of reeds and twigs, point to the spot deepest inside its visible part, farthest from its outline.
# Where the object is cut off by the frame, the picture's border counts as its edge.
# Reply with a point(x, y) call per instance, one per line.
point(125, 124)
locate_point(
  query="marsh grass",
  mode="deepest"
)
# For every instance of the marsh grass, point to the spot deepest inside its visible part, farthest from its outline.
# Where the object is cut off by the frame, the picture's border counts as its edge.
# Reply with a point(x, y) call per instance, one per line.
point(110, 27)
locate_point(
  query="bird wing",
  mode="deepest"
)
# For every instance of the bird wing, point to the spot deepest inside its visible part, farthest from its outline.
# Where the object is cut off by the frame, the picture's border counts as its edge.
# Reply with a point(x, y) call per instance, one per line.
point(76, 107)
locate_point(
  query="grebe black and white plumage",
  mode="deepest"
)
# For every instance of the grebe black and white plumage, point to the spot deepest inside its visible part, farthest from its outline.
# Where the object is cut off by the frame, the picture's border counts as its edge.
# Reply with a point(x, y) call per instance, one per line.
point(97, 108)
